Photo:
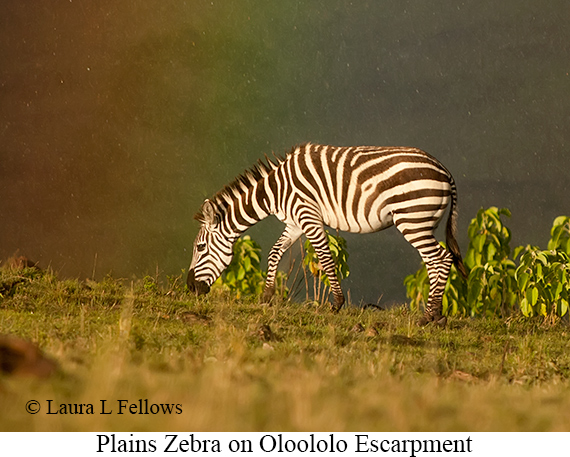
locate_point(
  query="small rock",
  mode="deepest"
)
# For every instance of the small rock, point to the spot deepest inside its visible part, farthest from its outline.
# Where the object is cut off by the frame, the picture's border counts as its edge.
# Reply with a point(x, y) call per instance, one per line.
point(371, 332)
point(19, 357)
point(358, 328)
point(193, 318)
point(265, 333)
point(21, 262)
point(462, 376)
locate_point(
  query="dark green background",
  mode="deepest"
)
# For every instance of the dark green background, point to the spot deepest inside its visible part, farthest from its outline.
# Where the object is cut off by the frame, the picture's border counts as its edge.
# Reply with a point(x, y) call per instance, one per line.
point(118, 118)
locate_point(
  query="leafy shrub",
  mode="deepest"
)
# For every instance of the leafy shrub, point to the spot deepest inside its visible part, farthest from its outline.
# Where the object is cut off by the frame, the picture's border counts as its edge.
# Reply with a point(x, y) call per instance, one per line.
point(540, 285)
point(489, 238)
point(560, 235)
point(543, 280)
point(244, 275)
point(491, 271)
point(488, 288)
point(150, 284)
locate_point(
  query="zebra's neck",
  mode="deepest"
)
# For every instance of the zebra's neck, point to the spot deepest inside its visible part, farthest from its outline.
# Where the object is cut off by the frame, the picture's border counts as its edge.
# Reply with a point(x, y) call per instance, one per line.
point(248, 198)
point(244, 206)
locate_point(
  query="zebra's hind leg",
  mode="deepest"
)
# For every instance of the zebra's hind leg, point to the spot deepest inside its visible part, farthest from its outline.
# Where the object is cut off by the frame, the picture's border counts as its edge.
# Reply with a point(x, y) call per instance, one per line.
point(438, 262)
point(287, 238)
point(438, 266)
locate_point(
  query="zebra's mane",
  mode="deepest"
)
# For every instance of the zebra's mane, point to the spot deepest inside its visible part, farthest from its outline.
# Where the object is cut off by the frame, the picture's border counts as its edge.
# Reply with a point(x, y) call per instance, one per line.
point(243, 182)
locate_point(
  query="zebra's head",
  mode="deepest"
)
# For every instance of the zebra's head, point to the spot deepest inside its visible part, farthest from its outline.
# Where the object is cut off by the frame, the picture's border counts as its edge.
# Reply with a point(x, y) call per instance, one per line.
point(213, 250)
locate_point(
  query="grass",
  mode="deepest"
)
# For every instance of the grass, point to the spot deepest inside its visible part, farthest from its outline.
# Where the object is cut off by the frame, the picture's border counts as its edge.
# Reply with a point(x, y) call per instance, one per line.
point(237, 365)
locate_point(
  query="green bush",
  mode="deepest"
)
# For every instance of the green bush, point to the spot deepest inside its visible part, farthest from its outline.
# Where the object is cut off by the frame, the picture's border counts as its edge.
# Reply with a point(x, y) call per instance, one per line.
point(560, 235)
point(539, 285)
point(491, 272)
point(543, 280)
point(244, 275)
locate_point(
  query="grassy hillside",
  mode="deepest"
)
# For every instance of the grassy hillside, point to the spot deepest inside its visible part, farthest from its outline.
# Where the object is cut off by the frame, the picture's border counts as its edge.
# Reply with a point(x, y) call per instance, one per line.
point(236, 365)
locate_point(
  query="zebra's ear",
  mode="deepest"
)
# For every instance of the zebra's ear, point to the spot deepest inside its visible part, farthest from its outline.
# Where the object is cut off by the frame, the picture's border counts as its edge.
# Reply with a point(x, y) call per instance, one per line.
point(209, 213)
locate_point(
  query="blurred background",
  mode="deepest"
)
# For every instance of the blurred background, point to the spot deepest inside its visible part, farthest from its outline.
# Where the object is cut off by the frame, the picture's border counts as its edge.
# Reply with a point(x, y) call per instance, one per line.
point(117, 119)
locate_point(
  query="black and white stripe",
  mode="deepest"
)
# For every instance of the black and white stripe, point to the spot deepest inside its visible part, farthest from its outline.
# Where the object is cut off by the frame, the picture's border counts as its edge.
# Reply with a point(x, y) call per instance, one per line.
point(356, 189)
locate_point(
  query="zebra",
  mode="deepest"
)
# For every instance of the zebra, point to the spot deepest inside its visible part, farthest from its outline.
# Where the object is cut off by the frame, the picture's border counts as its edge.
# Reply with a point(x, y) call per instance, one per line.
point(359, 189)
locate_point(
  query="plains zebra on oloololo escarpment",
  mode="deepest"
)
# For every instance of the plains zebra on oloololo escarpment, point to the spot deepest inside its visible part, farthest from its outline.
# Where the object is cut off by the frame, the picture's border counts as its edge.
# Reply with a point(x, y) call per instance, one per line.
point(355, 189)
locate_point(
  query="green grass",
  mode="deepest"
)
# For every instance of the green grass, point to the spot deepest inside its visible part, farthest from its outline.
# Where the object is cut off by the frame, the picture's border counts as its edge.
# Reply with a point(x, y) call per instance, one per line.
point(236, 365)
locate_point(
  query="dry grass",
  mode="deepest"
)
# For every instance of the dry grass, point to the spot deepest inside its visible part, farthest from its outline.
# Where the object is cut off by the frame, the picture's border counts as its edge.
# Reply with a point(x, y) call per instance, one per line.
point(240, 366)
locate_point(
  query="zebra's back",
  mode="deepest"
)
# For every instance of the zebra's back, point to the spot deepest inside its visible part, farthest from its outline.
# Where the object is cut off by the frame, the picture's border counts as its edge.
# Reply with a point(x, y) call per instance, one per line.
point(366, 189)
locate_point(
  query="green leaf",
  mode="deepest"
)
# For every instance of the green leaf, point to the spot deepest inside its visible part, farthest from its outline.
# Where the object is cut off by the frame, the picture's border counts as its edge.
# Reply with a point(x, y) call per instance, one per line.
point(476, 273)
point(526, 308)
point(526, 258)
point(538, 271)
point(491, 251)
point(563, 307)
point(470, 258)
point(532, 295)
point(474, 291)
point(505, 211)
point(493, 280)
point(542, 258)
point(560, 220)
point(517, 251)
point(565, 246)
point(479, 242)
point(557, 291)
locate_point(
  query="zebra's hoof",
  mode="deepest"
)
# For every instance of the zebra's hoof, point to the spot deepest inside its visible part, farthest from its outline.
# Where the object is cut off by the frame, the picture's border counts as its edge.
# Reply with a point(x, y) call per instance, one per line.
point(441, 321)
point(337, 304)
point(423, 321)
point(335, 307)
point(267, 296)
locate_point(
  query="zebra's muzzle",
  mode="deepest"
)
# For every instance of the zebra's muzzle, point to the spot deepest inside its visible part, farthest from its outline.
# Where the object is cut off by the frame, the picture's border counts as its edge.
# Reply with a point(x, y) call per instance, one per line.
point(198, 287)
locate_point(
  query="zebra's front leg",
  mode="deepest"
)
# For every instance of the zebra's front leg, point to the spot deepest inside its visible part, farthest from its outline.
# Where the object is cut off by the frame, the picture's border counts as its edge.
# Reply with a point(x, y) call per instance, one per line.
point(318, 238)
point(287, 238)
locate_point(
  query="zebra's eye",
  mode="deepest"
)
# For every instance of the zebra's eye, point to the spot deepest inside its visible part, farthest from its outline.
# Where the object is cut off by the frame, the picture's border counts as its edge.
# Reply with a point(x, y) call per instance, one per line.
point(201, 246)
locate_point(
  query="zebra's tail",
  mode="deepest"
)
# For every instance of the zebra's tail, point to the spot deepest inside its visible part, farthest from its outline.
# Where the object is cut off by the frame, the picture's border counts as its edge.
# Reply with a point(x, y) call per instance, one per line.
point(451, 231)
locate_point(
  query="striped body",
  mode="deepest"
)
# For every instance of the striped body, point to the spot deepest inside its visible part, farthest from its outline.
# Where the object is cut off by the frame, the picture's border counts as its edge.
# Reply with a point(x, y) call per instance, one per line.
point(357, 189)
